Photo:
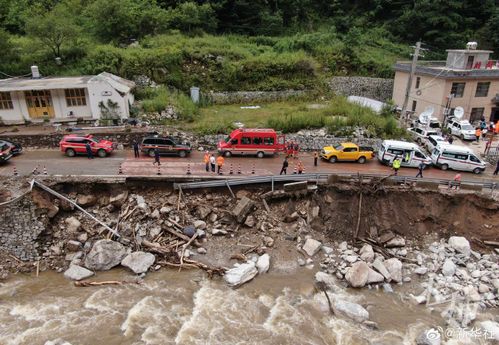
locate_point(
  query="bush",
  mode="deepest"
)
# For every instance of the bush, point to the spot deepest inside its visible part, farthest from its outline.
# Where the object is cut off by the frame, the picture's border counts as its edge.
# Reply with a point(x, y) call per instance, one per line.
point(157, 99)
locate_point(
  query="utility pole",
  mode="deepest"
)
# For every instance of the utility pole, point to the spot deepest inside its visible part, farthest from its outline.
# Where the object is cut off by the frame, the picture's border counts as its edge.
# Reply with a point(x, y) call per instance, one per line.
point(415, 57)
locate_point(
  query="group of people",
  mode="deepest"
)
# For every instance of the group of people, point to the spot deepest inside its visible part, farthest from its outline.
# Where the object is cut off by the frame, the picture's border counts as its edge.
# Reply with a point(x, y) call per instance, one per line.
point(300, 168)
point(212, 163)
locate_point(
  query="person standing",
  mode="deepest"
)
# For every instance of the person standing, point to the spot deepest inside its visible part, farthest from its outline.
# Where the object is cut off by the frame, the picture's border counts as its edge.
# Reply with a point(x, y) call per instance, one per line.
point(285, 165)
point(316, 157)
point(135, 145)
point(206, 160)
point(478, 134)
point(300, 167)
point(497, 168)
point(88, 148)
point(156, 156)
point(421, 167)
point(212, 162)
point(396, 165)
point(451, 139)
point(457, 181)
point(220, 163)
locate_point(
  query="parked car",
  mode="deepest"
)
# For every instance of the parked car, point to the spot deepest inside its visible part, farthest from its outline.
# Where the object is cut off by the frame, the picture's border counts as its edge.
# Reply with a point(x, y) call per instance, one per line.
point(5, 151)
point(462, 129)
point(411, 155)
point(15, 148)
point(434, 124)
point(251, 142)
point(165, 145)
point(74, 144)
point(456, 157)
point(421, 134)
point(346, 152)
point(433, 141)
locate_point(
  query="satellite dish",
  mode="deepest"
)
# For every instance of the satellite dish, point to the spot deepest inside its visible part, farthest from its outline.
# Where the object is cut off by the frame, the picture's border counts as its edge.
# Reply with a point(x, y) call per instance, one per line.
point(458, 112)
point(425, 116)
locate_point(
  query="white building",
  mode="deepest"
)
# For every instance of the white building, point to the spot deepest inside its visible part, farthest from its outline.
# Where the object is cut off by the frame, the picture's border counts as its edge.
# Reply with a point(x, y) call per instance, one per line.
point(63, 99)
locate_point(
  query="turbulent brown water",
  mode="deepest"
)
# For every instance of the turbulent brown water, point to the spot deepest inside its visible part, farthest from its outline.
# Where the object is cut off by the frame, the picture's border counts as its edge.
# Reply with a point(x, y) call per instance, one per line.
point(187, 308)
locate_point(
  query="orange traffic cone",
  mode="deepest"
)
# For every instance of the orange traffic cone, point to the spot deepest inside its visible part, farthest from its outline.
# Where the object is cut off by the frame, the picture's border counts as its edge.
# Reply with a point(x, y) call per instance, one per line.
point(15, 171)
point(294, 169)
point(188, 169)
point(302, 166)
point(231, 171)
point(120, 170)
point(158, 172)
point(45, 170)
point(35, 171)
point(239, 169)
point(253, 169)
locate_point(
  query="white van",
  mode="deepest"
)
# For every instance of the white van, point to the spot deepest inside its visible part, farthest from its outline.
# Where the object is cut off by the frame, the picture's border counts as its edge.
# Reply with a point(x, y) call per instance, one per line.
point(456, 157)
point(411, 155)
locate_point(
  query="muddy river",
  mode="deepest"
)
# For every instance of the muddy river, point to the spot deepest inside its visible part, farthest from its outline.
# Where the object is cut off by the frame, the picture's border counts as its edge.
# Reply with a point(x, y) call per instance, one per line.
point(187, 308)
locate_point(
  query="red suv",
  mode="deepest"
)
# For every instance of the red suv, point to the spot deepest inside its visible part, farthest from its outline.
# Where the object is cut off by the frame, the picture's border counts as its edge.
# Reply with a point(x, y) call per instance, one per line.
point(74, 144)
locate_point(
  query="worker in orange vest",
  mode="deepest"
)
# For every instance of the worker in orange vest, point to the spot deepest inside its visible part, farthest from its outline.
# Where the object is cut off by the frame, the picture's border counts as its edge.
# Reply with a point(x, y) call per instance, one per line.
point(497, 127)
point(457, 181)
point(300, 167)
point(206, 160)
point(220, 163)
point(478, 133)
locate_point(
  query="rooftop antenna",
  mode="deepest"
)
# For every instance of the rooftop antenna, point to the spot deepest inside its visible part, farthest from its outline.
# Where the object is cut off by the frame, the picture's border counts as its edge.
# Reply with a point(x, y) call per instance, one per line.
point(458, 113)
point(425, 116)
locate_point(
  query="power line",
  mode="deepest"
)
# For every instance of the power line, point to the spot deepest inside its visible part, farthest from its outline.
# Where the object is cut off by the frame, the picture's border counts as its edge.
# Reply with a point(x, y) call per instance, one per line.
point(19, 76)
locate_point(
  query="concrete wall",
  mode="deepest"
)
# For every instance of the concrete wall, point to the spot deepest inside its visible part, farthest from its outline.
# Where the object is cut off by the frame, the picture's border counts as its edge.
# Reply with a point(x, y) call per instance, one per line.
point(102, 91)
point(375, 88)
point(62, 110)
point(246, 97)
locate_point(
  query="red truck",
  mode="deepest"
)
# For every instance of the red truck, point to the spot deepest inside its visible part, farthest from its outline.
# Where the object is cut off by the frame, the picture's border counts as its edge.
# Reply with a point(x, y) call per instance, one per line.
point(252, 142)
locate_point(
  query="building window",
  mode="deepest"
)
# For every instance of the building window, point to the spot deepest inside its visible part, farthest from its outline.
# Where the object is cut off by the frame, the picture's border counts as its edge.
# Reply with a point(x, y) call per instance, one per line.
point(476, 114)
point(5, 101)
point(482, 89)
point(414, 104)
point(75, 97)
point(418, 81)
point(457, 90)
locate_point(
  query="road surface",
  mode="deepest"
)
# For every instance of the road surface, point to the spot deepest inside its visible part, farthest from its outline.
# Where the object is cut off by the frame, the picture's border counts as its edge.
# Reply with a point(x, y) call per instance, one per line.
point(57, 164)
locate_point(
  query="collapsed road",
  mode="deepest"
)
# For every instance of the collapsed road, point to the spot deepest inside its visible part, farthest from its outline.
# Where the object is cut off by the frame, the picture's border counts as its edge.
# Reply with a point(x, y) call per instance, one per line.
point(375, 249)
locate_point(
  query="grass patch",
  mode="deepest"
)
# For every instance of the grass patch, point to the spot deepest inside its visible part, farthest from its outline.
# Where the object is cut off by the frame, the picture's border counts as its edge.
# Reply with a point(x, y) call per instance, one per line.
point(155, 100)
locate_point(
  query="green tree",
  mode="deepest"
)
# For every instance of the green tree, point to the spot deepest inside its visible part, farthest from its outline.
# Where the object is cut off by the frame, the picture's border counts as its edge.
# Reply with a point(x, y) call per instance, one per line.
point(190, 16)
point(53, 28)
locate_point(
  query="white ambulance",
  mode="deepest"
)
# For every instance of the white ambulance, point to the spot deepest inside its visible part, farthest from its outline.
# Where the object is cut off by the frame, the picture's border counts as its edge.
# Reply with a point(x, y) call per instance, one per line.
point(456, 157)
point(411, 155)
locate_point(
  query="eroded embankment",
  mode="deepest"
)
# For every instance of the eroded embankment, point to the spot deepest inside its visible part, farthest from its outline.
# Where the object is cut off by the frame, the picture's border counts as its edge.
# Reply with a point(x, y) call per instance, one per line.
point(40, 227)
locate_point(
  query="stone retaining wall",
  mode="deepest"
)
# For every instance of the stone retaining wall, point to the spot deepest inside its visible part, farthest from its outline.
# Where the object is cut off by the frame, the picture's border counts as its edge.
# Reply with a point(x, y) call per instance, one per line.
point(377, 88)
point(245, 97)
point(20, 227)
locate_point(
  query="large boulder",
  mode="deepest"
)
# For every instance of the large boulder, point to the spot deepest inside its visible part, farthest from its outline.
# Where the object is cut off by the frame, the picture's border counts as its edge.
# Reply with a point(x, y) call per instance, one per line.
point(138, 262)
point(75, 272)
point(311, 246)
point(448, 268)
point(380, 267)
point(460, 245)
point(367, 253)
point(86, 200)
point(240, 273)
point(394, 267)
point(327, 279)
point(242, 208)
point(374, 277)
point(104, 255)
point(351, 310)
point(357, 275)
point(263, 263)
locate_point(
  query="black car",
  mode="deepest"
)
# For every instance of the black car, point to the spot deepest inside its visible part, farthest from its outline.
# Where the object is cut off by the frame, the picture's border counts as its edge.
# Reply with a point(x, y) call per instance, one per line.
point(165, 145)
point(15, 149)
point(5, 151)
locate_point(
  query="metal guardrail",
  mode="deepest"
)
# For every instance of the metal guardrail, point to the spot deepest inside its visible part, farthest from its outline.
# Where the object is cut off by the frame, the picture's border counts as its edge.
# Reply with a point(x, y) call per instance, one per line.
point(321, 177)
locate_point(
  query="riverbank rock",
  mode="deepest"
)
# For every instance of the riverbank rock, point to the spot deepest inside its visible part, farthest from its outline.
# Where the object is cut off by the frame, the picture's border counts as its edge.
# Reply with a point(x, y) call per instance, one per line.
point(429, 337)
point(311, 246)
point(138, 262)
point(104, 255)
point(327, 279)
point(380, 267)
point(72, 224)
point(75, 272)
point(374, 277)
point(263, 263)
point(242, 208)
point(357, 275)
point(394, 267)
point(240, 273)
point(367, 253)
point(448, 268)
point(351, 310)
point(460, 245)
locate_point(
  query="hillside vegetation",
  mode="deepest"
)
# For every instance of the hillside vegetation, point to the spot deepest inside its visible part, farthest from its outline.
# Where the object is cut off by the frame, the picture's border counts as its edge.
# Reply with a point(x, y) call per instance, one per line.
point(234, 44)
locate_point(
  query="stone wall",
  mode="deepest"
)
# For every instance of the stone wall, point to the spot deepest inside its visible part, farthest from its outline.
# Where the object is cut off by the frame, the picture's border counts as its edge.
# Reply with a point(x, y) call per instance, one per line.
point(245, 97)
point(377, 88)
point(20, 226)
